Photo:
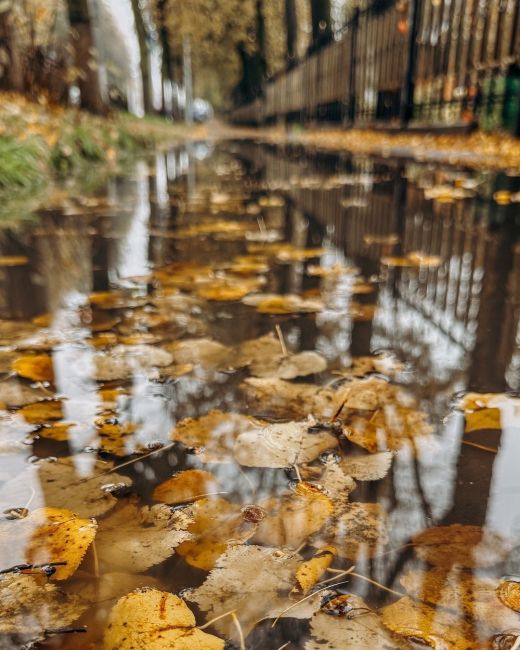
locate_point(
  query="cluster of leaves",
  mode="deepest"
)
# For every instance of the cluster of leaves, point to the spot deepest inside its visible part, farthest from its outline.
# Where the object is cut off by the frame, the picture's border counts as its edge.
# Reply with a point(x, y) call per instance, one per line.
point(266, 550)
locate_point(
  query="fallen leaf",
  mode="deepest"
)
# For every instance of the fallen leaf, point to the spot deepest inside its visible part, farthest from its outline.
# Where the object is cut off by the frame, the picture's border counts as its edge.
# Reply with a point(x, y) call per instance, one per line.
point(485, 418)
point(372, 467)
point(389, 428)
point(433, 627)
point(283, 304)
point(281, 445)
point(35, 368)
point(360, 531)
point(155, 620)
point(246, 579)
point(310, 571)
point(330, 271)
point(201, 352)
point(299, 254)
point(185, 486)
point(471, 598)
point(228, 288)
point(509, 593)
point(215, 433)
point(63, 486)
point(361, 631)
point(217, 525)
point(47, 535)
point(457, 544)
point(43, 411)
point(290, 520)
point(337, 484)
point(134, 539)
point(30, 607)
point(123, 361)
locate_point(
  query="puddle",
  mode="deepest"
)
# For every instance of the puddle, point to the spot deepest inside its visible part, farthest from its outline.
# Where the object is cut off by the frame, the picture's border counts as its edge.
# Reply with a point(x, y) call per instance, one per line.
point(241, 358)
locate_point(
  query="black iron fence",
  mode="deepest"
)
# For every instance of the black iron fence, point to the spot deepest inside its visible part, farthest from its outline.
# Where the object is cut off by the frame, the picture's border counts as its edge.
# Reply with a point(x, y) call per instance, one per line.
point(407, 62)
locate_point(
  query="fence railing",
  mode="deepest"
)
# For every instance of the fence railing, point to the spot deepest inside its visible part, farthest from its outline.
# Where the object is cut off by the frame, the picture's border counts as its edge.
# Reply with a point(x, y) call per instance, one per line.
point(424, 62)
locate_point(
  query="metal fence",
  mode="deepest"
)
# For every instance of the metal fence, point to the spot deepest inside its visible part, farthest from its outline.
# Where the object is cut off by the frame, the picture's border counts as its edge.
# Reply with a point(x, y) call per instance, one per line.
point(428, 62)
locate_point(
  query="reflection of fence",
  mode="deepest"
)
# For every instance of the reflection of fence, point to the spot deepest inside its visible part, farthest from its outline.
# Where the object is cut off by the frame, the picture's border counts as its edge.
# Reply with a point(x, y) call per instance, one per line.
point(444, 62)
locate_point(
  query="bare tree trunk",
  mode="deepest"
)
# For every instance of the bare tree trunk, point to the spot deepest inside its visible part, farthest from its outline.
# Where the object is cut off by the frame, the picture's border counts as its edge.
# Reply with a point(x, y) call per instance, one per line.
point(13, 77)
point(166, 67)
point(83, 42)
point(291, 30)
point(321, 28)
point(142, 38)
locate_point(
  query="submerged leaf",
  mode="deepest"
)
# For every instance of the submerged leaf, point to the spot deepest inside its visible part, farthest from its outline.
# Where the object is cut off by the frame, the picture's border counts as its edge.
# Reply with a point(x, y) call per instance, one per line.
point(43, 411)
point(372, 467)
point(509, 593)
point(466, 546)
point(472, 598)
point(281, 445)
point(201, 352)
point(134, 539)
point(36, 367)
point(47, 535)
point(486, 418)
point(362, 630)
point(15, 393)
point(246, 579)
point(215, 433)
point(292, 519)
point(217, 524)
point(429, 626)
point(155, 620)
point(62, 486)
point(30, 607)
point(185, 486)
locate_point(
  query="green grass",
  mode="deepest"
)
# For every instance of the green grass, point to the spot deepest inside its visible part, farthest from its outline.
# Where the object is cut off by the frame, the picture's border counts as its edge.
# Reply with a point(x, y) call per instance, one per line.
point(23, 163)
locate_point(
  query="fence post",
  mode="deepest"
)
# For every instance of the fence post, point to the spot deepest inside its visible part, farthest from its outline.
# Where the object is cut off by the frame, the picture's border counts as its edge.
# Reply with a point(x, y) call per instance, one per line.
point(354, 23)
point(406, 109)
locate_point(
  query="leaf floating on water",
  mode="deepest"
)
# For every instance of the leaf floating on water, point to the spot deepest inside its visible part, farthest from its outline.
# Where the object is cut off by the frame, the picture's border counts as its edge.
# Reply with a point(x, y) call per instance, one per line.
point(123, 361)
point(228, 289)
point(185, 486)
point(389, 429)
point(486, 418)
point(44, 411)
point(201, 352)
point(217, 525)
point(299, 254)
point(368, 468)
point(281, 445)
point(215, 433)
point(330, 271)
point(63, 487)
point(310, 571)
point(134, 539)
point(155, 620)
point(47, 535)
point(29, 607)
point(337, 484)
point(36, 368)
point(413, 260)
point(361, 530)
point(472, 598)
point(509, 593)
point(292, 519)
point(359, 630)
point(265, 358)
point(246, 579)
point(429, 626)
point(466, 546)
point(267, 303)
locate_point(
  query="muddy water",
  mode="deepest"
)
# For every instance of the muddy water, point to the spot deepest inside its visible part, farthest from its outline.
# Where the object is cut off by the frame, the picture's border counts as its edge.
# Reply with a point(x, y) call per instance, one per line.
point(447, 326)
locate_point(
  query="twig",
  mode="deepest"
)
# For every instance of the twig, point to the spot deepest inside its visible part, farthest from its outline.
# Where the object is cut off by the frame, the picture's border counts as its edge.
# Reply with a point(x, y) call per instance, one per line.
point(313, 593)
point(217, 618)
point(336, 576)
point(298, 475)
point(281, 339)
point(483, 447)
point(239, 630)
point(372, 582)
point(66, 630)
point(284, 645)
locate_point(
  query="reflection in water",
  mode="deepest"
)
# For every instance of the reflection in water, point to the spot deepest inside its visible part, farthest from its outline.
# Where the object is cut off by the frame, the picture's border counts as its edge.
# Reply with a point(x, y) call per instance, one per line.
point(126, 370)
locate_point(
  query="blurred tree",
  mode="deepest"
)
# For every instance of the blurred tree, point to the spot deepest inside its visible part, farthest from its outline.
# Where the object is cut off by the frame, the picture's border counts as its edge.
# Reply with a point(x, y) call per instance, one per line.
point(84, 56)
point(143, 38)
point(12, 77)
point(291, 26)
point(321, 23)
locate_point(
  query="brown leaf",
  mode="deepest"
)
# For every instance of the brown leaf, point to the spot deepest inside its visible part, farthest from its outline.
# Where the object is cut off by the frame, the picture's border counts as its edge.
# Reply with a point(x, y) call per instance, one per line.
point(36, 368)
point(185, 486)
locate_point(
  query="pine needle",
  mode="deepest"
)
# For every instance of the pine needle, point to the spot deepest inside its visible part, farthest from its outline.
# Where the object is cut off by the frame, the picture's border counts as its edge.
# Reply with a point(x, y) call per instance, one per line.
point(483, 447)
point(239, 630)
point(279, 333)
point(372, 582)
point(217, 618)
point(337, 575)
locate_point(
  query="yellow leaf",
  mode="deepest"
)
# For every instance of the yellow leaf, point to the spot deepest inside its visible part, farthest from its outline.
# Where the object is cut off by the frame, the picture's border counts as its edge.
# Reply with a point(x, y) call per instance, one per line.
point(310, 571)
point(486, 418)
point(41, 412)
point(47, 535)
point(36, 368)
point(155, 620)
point(185, 486)
point(509, 593)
